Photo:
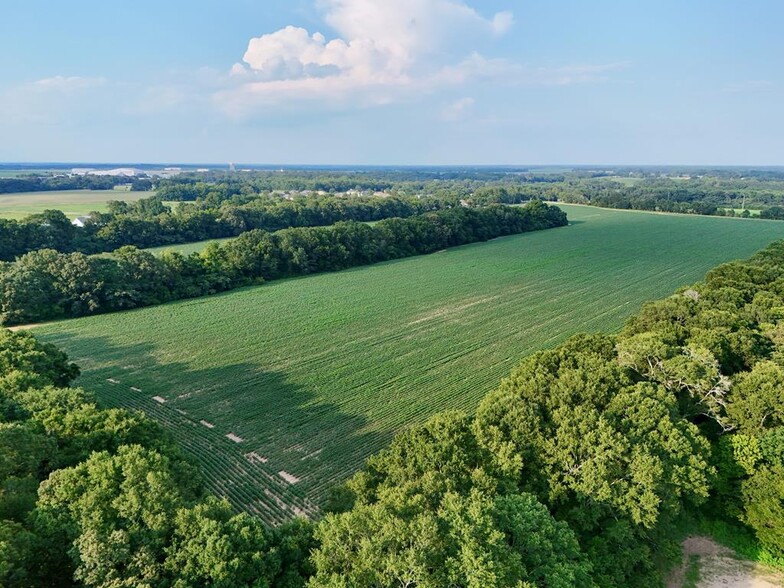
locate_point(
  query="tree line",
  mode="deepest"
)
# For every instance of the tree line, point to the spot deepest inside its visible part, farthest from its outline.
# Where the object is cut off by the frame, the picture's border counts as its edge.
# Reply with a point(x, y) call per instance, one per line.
point(706, 196)
point(188, 185)
point(32, 183)
point(150, 223)
point(45, 284)
point(714, 196)
point(402, 181)
point(577, 471)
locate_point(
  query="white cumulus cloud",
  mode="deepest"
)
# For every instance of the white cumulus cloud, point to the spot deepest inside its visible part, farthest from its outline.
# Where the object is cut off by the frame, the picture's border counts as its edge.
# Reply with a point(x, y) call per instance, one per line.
point(381, 51)
point(293, 53)
point(375, 52)
point(408, 30)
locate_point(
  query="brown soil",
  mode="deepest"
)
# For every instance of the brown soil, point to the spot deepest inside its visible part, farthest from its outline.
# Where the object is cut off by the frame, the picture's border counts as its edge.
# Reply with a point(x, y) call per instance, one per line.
point(721, 568)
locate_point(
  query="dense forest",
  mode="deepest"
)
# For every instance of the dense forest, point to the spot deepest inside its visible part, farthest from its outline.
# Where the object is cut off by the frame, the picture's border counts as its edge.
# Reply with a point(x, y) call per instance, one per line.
point(688, 190)
point(49, 183)
point(580, 469)
point(149, 222)
point(45, 284)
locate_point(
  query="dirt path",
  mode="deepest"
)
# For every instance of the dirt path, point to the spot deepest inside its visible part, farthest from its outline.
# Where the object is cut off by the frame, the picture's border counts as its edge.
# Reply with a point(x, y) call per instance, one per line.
point(720, 568)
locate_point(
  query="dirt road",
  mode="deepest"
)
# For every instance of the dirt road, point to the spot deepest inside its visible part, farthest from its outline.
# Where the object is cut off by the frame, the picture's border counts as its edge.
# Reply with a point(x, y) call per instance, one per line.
point(719, 567)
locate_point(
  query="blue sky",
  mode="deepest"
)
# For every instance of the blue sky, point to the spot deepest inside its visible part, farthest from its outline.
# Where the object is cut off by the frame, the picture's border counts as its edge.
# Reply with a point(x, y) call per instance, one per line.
point(404, 82)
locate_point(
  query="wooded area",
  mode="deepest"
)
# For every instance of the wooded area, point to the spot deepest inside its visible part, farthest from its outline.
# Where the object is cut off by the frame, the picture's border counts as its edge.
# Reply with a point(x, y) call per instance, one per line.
point(150, 223)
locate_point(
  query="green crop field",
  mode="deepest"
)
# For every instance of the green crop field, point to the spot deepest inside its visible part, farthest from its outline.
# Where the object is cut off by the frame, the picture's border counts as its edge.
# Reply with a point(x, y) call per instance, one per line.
point(72, 202)
point(187, 248)
point(19, 173)
point(281, 391)
point(626, 181)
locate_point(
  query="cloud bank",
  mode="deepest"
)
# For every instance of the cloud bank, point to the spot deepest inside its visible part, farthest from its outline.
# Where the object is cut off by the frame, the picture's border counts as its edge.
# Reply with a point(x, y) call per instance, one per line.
point(367, 53)
point(382, 51)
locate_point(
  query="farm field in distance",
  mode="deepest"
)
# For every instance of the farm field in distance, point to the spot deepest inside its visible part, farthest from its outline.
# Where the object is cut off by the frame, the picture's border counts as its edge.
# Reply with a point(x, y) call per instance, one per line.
point(16, 173)
point(281, 391)
point(72, 202)
point(199, 246)
point(626, 181)
point(187, 248)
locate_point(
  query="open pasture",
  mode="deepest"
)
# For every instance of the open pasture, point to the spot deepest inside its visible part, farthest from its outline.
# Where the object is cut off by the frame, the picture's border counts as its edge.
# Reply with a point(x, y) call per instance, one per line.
point(199, 246)
point(8, 172)
point(187, 248)
point(283, 390)
point(72, 202)
point(625, 180)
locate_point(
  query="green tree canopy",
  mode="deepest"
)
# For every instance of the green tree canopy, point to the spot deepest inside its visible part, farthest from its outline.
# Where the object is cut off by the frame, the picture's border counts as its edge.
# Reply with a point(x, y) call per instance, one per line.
point(474, 541)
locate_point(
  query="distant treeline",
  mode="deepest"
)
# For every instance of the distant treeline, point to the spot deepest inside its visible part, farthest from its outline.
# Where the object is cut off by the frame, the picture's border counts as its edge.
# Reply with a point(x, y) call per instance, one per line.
point(706, 196)
point(46, 284)
point(68, 182)
point(660, 195)
point(191, 186)
point(149, 223)
point(411, 182)
point(694, 196)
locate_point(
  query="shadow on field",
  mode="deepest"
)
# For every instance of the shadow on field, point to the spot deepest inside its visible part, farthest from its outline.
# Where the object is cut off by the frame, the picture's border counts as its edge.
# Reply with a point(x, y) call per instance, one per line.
point(286, 424)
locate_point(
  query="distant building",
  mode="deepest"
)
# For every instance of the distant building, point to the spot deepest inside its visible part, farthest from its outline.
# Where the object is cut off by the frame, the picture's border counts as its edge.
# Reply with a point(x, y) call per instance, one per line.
point(232, 168)
point(127, 172)
point(82, 171)
point(80, 221)
point(123, 171)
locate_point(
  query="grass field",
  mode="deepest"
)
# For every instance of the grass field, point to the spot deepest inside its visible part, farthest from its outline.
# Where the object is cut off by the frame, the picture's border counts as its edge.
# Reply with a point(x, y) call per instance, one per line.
point(281, 391)
point(187, 248)
point(626, 181)
point(199, 246)
point(17, 173)
point(72, 202)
